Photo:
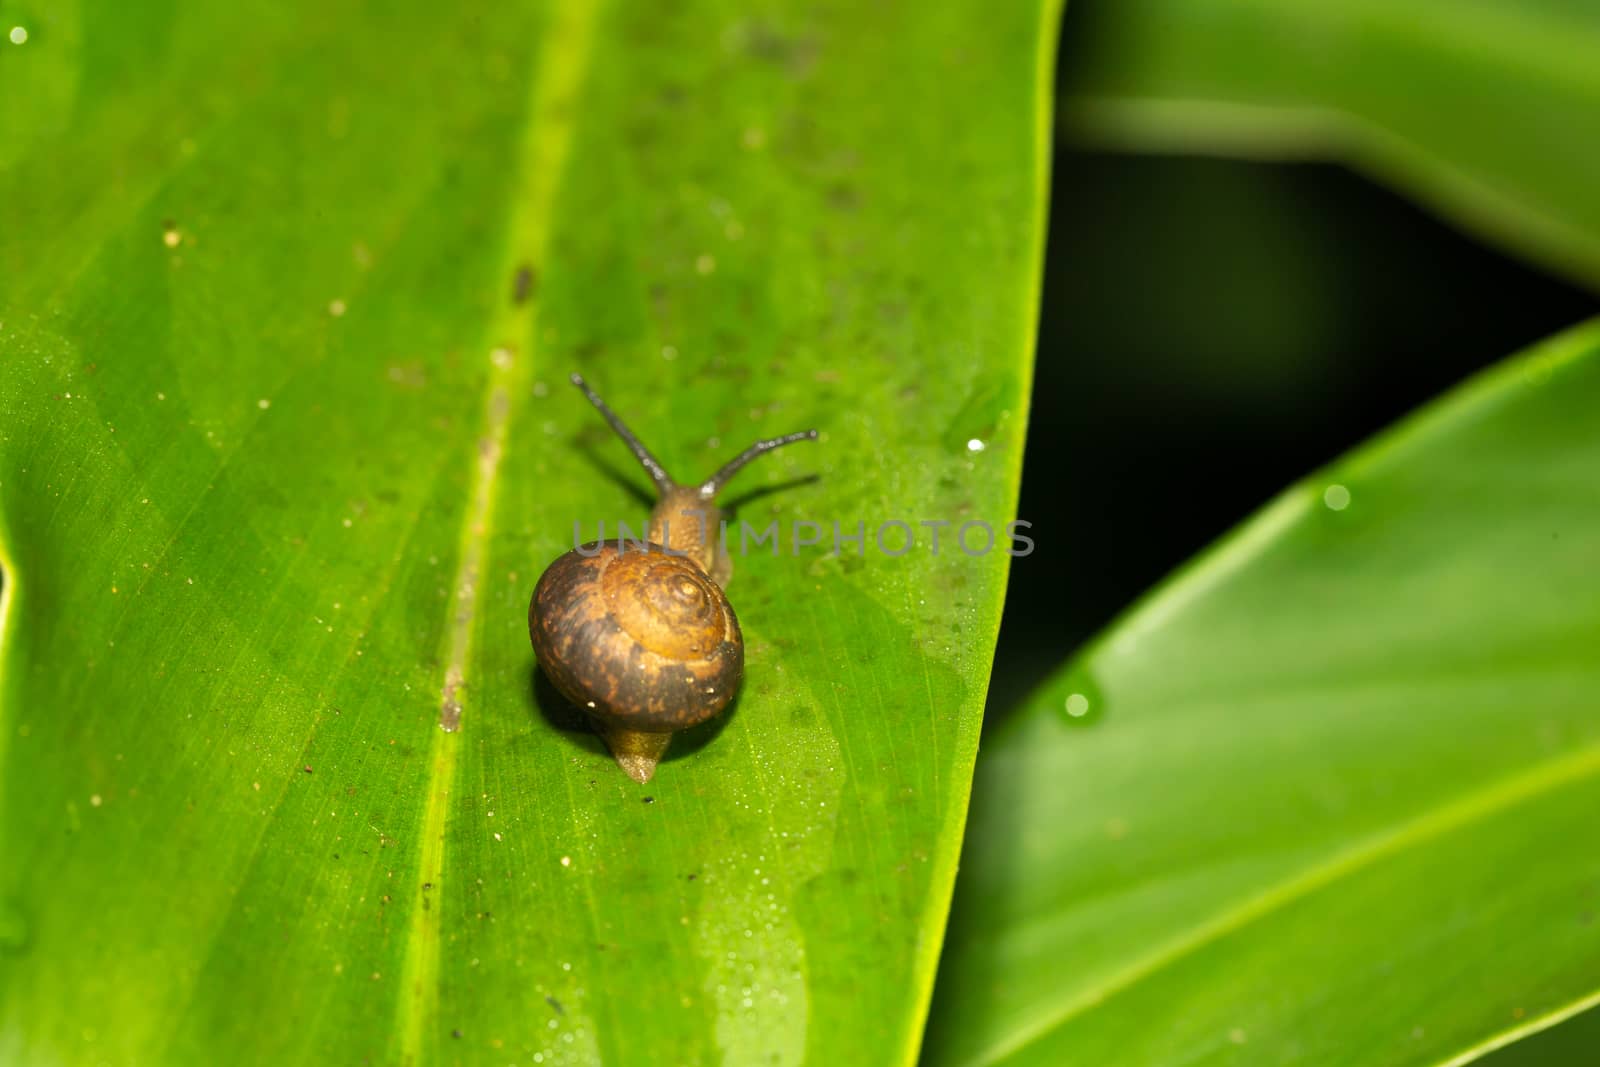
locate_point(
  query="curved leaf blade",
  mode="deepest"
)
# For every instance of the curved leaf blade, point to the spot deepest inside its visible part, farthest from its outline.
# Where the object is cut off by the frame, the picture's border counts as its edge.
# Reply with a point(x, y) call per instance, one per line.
point(1478, 108)
point(281, 350)
point(1328, 794)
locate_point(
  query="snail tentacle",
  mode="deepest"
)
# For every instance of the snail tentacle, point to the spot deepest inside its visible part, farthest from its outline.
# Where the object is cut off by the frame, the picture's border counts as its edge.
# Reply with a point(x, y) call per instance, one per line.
point(713, 485)
point(652, 466)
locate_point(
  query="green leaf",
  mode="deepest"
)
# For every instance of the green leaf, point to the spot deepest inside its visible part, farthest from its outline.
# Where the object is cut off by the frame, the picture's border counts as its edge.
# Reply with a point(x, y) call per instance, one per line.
point(1481, 108)
point(288, 307)
point(1328, 796)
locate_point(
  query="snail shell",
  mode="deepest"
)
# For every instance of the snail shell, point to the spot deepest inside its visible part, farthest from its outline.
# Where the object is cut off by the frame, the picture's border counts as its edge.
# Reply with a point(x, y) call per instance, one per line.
point(642, 640)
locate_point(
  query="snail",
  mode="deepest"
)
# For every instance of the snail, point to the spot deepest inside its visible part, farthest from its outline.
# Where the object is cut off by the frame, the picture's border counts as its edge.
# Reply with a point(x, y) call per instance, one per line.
point(642, 638)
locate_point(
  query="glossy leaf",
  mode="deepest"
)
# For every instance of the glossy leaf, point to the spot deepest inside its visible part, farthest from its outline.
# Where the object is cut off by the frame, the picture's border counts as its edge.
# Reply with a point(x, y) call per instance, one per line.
point(1328, 795)
point(289, 299)
point(1481, 108)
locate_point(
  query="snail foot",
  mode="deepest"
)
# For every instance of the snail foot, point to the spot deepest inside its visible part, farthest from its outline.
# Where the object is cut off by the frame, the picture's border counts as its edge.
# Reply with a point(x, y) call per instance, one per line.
point(637, 752)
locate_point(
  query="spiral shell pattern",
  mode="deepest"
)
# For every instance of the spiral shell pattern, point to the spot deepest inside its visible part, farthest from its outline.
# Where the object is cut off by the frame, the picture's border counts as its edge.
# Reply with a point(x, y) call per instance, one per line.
point(640, 639)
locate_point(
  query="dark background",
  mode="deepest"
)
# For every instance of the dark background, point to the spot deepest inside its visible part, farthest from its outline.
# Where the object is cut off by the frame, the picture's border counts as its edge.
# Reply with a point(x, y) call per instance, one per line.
point(1211, 331)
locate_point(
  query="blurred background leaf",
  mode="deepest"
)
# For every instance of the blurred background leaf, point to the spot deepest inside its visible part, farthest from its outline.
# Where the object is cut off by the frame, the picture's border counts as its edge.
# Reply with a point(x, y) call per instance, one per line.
point(1210, 331)
point(1479, 108)
point(1328, 794)
point(288, 295)
point(1213, 328)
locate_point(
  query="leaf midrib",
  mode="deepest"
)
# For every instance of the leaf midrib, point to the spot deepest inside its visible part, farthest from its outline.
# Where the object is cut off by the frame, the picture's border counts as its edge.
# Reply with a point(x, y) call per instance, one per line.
point(512, 337)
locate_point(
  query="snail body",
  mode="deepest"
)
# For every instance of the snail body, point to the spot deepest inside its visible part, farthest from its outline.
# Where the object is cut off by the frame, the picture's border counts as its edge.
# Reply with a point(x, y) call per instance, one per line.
point(643, 638)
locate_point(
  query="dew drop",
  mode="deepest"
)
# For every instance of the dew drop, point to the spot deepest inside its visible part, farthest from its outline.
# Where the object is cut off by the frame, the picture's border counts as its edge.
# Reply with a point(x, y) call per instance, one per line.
point(1336, 497)
point(1079, 699)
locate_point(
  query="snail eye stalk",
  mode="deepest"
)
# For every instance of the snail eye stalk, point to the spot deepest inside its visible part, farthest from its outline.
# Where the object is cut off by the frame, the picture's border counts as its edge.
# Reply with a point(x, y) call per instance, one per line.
point(652, 466)
point(713, 485)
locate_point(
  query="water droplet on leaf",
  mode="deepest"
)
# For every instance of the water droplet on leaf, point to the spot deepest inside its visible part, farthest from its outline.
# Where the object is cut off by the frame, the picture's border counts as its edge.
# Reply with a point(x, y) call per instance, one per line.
point(1079, 698)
